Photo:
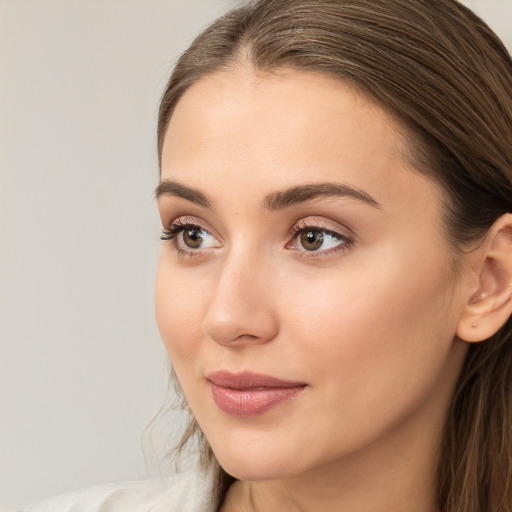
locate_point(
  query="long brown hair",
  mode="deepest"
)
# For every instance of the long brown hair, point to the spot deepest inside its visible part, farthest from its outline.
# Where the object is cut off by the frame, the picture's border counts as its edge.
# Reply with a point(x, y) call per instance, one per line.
point(439, 68)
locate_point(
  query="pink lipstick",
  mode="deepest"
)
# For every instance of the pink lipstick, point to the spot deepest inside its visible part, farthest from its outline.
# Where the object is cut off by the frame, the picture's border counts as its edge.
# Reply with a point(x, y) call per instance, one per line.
point(250, 394)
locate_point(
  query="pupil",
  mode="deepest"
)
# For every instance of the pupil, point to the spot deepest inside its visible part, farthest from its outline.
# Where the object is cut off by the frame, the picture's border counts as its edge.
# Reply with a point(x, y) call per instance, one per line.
point(192, 238)
point(312, 240)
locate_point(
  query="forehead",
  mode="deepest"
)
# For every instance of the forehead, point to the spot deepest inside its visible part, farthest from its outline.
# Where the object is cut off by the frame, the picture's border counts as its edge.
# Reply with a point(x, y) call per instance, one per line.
point(256, 94)
point(268, 131)
point(277, 109)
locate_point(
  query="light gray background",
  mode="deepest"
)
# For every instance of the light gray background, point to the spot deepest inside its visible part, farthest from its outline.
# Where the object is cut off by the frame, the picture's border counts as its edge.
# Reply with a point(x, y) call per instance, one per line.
point(82, 370)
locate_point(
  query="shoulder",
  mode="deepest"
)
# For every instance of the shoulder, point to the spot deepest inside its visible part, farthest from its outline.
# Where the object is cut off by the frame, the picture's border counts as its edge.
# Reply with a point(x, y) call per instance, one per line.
point(184, 492)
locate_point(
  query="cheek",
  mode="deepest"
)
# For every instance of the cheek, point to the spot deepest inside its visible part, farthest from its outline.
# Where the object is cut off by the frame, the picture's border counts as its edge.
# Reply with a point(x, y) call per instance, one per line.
point(178, 308)
point(387, 290)
point(376, 328)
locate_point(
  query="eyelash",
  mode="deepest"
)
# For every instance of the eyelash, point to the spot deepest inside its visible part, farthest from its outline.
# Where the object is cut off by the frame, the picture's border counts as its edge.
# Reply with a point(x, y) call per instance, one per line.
point(175, 229)
point(178, 226)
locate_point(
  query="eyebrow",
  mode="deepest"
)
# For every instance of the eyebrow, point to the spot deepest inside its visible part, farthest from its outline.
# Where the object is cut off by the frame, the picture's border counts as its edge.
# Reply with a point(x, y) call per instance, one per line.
point(173, 188)
point(275, 200)
point(302, 193)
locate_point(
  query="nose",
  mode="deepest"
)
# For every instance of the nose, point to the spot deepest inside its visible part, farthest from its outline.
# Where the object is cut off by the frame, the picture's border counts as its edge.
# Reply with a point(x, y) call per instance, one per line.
point(240, 311)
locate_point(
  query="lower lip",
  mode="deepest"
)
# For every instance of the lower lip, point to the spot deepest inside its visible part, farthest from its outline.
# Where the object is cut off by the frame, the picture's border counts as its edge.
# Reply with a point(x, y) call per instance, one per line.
point(251, 402)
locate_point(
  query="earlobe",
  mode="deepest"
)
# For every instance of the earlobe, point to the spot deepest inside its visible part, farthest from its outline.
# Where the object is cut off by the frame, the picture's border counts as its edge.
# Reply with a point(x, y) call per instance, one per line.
point(490, 305)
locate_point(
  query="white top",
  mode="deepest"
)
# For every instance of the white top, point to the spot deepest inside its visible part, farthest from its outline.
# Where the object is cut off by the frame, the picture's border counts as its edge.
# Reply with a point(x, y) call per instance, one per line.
point(184, 492)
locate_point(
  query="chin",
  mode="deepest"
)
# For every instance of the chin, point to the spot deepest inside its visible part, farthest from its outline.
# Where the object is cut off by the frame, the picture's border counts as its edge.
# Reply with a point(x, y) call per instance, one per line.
point(249, 470)
point(258, 464)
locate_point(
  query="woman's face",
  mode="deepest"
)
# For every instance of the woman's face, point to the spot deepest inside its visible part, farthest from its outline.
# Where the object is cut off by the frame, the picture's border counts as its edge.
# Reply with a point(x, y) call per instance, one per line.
point(307, 296)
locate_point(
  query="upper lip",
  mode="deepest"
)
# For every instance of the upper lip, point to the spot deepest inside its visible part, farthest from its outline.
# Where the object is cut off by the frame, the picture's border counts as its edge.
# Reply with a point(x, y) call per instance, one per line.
point(249, 380)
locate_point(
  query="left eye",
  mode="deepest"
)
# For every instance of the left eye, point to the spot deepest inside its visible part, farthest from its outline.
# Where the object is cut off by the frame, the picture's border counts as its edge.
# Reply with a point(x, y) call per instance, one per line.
point(316, 240)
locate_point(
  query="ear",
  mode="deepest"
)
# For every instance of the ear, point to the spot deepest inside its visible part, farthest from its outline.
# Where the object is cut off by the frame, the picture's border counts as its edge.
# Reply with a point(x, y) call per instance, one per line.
point(489, 299)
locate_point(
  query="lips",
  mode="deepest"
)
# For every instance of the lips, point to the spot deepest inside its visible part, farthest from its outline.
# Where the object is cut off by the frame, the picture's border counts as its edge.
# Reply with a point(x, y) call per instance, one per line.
point(250, 394)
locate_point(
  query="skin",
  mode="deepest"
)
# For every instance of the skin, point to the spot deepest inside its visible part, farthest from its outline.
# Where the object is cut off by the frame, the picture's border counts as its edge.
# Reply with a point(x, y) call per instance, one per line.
point(367, 321)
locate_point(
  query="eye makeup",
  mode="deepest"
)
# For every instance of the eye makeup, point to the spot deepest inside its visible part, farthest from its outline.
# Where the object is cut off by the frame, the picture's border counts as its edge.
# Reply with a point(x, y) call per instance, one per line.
point(309, 238)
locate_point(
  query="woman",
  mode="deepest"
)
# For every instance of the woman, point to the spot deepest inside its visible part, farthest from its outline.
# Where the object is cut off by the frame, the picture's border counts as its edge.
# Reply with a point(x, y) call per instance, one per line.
point(335, 282)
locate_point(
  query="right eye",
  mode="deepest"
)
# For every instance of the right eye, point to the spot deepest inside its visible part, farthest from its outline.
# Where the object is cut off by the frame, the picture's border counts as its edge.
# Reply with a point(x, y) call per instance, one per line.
point(188, 237)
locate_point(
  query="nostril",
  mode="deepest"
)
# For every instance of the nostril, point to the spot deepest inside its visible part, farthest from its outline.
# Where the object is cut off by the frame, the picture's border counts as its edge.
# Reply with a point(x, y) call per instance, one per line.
point(240, 326)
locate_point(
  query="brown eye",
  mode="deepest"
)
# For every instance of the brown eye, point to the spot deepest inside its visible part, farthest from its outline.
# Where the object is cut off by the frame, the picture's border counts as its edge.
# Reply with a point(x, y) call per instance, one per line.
point(189, 238)
point(311, 240)
point(193, 237)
